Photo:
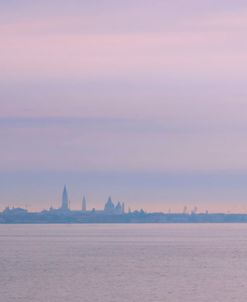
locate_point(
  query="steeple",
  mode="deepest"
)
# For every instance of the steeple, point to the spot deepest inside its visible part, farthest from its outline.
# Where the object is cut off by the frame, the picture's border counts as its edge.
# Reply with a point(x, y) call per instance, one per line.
point(65, 200)
point(84, 204)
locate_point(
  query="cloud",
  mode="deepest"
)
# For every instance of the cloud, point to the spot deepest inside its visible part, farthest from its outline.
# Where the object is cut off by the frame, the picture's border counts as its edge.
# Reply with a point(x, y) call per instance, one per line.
point(118, 144)
point(209, 44)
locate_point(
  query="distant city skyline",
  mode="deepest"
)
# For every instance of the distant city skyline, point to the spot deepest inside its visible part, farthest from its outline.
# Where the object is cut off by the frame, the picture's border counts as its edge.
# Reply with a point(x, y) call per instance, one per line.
point(112, 212)
point(96, 198)
point(142, 100)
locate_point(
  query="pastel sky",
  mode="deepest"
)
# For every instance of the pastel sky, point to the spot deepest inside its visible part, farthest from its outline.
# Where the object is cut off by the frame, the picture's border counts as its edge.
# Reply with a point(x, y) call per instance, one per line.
point(143, 100)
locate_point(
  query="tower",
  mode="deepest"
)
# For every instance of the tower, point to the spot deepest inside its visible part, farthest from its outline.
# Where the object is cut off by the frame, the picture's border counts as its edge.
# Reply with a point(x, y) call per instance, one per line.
point(65, 200)
point(84, 204)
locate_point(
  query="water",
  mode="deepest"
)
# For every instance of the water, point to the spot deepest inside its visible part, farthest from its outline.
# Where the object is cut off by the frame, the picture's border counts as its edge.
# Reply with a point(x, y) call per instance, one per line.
point(116, 263)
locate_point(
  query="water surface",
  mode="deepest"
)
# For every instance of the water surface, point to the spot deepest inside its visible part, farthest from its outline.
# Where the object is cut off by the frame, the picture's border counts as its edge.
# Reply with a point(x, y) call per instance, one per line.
point(137, 263)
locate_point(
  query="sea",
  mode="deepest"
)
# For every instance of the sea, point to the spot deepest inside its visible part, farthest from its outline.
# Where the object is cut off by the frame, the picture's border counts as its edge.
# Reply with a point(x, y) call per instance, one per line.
point(123, 262)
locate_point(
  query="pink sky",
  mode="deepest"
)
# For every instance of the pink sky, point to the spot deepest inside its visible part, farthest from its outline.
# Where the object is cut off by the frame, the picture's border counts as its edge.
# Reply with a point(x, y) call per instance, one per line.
point(132, 87)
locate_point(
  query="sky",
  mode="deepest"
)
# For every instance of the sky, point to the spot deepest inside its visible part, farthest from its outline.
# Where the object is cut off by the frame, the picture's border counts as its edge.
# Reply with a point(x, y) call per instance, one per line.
point(141, 100)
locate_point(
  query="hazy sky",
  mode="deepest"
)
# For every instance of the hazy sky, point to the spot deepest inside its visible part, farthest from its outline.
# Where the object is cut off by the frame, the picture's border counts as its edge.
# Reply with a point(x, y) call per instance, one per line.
point(143, 100)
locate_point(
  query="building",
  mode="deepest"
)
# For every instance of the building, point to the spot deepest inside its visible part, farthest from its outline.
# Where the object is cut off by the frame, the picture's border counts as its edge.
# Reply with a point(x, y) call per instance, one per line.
point(84, 204)
point(110, 208)
point(65, 200)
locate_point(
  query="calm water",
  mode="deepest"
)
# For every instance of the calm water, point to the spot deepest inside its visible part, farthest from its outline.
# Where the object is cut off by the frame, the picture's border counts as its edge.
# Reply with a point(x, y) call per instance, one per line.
point(142, 263)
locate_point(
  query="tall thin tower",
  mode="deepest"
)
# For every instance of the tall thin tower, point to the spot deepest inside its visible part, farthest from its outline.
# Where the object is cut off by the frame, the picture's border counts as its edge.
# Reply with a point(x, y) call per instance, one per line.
point(84, 204)
point(65, 200)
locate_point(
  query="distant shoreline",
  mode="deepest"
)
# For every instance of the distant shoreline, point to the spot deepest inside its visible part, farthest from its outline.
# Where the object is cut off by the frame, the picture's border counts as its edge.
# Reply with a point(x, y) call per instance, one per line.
point(91, 217)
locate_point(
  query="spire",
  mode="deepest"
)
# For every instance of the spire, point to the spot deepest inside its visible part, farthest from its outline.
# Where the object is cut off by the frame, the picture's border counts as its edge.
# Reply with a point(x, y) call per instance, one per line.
point(84, 204)
point(65, 200)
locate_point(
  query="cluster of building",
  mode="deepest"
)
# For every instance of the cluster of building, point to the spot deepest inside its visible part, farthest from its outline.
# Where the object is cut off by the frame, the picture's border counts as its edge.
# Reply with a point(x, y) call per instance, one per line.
point(111, 213)
point(109, 208)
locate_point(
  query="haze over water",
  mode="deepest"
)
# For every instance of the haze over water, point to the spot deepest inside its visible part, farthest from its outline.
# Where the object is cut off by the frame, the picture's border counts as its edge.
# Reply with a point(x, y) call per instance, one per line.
point(121, 263)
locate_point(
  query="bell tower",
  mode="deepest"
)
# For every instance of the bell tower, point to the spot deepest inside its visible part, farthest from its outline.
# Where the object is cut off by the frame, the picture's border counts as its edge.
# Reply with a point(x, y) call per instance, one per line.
point(65, 200)
point(84, 204)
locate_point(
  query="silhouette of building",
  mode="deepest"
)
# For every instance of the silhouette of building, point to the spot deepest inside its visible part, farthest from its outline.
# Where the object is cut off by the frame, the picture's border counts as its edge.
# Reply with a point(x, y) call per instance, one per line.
point(14, 211)
point(110, 208)
point(65, 200)
point(113, 214)
point(84, 204)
